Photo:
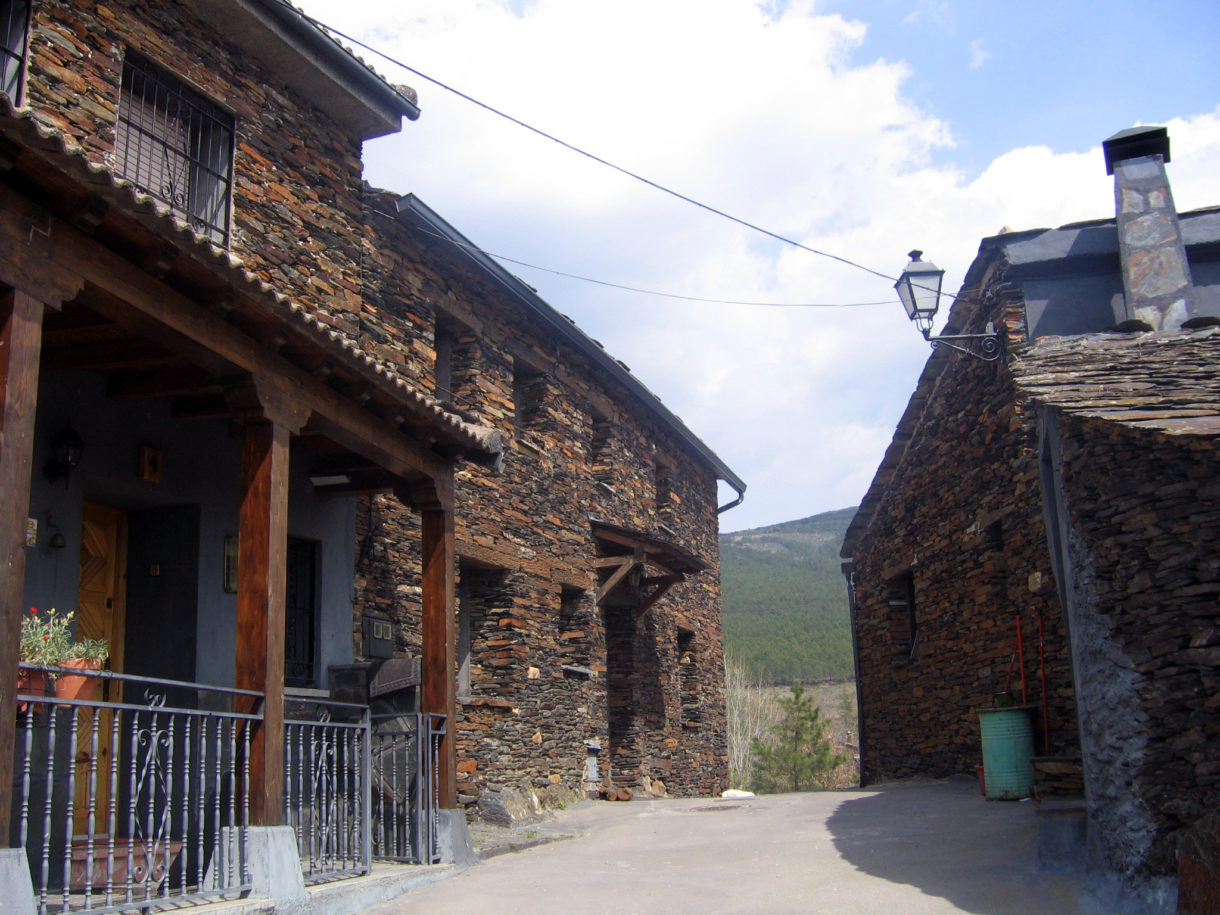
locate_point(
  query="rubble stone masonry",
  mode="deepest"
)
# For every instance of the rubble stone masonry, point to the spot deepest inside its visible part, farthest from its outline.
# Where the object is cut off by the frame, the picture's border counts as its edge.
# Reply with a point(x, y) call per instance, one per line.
point(1144, 512)
point(954, 561)
point(549, 674)
point(297, 195)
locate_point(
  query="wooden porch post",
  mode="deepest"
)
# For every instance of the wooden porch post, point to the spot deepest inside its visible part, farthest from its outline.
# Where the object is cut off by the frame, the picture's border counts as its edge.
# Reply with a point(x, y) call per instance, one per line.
point(20, 349)
point(262, 550)
point(438, 693)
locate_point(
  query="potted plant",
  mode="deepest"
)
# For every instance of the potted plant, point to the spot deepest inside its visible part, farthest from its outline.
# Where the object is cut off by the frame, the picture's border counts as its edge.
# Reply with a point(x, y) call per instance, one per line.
point(47, 642)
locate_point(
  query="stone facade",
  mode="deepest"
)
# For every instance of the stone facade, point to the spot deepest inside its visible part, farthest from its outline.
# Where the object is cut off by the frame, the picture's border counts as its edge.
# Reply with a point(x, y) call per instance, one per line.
point(297, 195)
point(549, 674)
point(953, 563)
point(1138, 507)
point(1072, 482)
point(1151, 697)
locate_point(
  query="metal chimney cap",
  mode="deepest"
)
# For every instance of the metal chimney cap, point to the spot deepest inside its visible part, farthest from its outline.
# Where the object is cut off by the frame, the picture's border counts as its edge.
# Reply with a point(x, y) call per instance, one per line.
point(1135, 142)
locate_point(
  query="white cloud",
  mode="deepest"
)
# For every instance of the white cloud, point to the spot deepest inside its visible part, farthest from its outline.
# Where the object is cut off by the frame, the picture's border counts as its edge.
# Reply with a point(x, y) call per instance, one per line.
point(755, 110)
point(978, 54)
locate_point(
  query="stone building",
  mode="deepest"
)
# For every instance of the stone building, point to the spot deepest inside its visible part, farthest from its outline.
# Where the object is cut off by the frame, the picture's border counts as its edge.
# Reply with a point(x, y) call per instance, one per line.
point(589, 628)
point(1066, 490)
point(311, 425)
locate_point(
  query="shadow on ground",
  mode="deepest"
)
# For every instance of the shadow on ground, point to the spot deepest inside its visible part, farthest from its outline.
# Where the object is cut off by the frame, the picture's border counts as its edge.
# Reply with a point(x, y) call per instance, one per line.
point(948, 841)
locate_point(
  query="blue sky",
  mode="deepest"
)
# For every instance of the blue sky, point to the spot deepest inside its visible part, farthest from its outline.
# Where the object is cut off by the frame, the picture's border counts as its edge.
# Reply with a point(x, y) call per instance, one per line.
point(1059, 73)
point(862, 128)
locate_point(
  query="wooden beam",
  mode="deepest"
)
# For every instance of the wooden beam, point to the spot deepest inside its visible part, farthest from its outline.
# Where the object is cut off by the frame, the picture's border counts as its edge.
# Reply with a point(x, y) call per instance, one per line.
point(30, 253)
point(605, 562)
point(623, 571)
point(20, 342)
point(438, 692)
point(58, 251)
point(664, 584)
point(262, 545)
point(169, 382)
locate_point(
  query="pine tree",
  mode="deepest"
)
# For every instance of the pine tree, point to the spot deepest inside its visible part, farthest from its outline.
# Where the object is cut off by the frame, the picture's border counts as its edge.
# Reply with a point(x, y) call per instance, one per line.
point(800, 755)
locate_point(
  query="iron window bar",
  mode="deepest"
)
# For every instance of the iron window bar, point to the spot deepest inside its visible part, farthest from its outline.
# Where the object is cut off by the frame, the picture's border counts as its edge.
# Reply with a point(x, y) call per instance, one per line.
point(176, 146)
point(14, 29)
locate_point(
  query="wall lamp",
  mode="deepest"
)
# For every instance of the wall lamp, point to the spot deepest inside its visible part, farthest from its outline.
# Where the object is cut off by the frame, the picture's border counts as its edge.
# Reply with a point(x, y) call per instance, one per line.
point(66, 449)
point(919, 289)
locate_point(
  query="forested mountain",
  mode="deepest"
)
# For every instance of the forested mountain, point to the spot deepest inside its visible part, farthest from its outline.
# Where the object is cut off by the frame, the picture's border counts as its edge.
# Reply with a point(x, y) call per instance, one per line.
point(785, 600)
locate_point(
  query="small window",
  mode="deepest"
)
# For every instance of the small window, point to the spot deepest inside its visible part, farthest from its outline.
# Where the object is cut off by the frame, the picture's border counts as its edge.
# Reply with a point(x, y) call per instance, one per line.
point(14, 32)
point(175, 145)
point(445, 340)
point(457, 360)
point(904, 624)
point(666, 498)
point(576, 625)
point(600, 466)
point(480, 592)
point(688, 679)
point(529, 391)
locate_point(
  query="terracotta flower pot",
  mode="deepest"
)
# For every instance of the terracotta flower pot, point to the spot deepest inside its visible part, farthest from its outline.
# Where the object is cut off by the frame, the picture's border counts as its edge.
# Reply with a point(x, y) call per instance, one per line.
point(78, 686)
point(32, 683)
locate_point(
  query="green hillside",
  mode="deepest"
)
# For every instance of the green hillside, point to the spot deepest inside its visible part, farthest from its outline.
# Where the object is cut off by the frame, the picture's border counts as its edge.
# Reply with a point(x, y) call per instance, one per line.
point(785, 600)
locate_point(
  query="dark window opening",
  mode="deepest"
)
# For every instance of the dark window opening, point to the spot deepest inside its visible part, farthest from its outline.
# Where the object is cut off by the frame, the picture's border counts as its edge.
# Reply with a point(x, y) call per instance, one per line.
point(600, 466)
point(445, 340)
point(175, 145)
point(457, 359)
point(576, 625)
point(903, 619)
point(688, 679)
point(301, 613)
point(14, 40)
point(529, 390)
point(666, 498)
point(480, 591)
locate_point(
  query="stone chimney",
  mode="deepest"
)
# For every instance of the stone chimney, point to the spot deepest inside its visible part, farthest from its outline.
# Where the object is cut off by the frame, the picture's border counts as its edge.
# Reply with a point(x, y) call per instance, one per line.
point(1156, 274)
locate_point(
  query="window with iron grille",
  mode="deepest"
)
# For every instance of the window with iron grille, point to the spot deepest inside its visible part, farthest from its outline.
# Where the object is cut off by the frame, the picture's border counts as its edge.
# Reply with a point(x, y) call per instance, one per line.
point(14, 27)
point(175, 145)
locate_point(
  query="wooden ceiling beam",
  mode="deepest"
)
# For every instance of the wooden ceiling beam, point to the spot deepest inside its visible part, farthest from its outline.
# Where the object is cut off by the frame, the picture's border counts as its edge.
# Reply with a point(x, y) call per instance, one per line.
point(57, 251)
point(105, 357)
point(187, 381)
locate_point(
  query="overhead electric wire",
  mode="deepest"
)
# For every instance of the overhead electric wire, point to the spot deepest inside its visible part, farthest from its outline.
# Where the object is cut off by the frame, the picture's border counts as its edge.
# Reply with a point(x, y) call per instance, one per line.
point(665, 295)
point(317, 23)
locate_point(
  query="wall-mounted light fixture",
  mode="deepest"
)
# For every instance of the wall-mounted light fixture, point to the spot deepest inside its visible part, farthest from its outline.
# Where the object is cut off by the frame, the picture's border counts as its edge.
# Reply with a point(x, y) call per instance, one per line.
point(919, 289)
point(66, 449)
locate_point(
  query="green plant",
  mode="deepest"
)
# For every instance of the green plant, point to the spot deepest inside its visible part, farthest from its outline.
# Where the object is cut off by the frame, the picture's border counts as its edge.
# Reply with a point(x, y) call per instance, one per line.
point(800, 756)
point(46, 640)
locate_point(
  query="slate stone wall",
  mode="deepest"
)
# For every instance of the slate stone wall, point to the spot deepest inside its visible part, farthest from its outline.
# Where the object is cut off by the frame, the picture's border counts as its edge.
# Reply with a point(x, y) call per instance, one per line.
point(297, 195)
point(578, 444)
point(961, 527)
point(550, 672)
point(1144, 520)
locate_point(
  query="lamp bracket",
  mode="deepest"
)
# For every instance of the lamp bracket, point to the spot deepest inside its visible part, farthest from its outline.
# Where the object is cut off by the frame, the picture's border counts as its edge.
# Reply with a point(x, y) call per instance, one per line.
point(984, 346)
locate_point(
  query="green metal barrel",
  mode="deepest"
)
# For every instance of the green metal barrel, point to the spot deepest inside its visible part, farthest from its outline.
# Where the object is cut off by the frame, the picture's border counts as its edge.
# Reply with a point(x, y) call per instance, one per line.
point(1008, 747)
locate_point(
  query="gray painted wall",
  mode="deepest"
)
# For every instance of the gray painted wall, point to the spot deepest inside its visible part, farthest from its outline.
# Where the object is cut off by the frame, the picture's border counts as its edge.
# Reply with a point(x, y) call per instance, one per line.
point(200, 470)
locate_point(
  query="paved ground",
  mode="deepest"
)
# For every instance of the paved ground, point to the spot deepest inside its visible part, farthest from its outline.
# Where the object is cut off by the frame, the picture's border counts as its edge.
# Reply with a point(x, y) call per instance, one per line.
point(899, 850)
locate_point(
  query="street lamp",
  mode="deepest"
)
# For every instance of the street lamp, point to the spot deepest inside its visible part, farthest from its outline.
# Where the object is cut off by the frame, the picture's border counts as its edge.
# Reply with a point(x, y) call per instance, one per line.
point(919, 290)
point(66, 449)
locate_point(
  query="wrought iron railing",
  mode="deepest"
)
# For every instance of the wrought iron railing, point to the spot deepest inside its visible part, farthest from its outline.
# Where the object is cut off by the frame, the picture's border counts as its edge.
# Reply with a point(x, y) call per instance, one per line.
point(133, 797)
point(404, 765)
point(358, 789)
point(326, 751)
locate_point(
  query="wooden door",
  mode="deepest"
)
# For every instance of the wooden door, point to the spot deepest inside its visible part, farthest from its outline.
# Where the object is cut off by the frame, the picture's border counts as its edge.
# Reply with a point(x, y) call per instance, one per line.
point(99, 615)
